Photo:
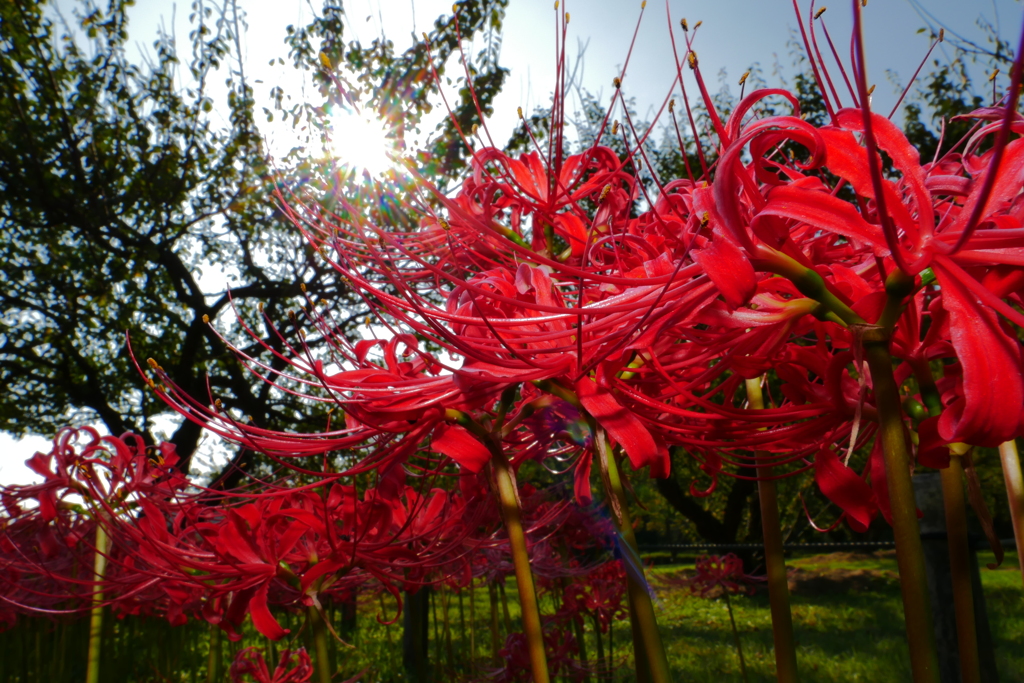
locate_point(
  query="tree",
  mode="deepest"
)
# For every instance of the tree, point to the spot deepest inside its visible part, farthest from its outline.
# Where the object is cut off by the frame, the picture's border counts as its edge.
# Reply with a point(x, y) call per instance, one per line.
point(119, 193)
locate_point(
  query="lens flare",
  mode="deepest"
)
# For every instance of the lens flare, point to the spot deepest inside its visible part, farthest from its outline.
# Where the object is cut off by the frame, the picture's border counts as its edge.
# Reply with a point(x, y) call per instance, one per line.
point(359, 141)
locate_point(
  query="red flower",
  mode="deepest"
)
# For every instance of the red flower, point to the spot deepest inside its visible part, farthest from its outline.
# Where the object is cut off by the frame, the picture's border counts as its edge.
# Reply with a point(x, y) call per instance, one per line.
point(250, 662)
point(723, 572)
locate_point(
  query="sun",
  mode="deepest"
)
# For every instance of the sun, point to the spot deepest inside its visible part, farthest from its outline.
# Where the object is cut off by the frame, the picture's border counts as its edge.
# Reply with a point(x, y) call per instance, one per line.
point(359, 141)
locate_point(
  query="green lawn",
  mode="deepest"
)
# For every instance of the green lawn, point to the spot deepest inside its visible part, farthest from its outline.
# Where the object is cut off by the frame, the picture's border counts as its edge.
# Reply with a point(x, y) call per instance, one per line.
point(848, 619)
point(847, 613)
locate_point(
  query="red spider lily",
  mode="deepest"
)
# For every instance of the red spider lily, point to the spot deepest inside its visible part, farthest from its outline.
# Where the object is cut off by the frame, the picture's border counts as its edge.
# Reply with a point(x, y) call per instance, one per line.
point(576, 323)
point(985, 349)
point(299, 548)
point(721, 572)
point(249, 662)
point(562, 652)
point(175, 556)
point(88, 480)
point(599, 594)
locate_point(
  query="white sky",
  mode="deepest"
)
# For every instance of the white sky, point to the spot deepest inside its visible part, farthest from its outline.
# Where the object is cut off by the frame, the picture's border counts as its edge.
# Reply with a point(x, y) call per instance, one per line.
point(734, 35)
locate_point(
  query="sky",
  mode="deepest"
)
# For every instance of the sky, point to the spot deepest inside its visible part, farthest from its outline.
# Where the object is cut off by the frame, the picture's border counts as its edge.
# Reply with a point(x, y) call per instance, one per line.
point(734, 35)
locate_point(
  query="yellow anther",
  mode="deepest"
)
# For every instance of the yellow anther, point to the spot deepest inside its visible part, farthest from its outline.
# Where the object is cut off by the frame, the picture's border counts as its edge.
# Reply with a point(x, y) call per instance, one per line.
point(567, 17)
point(604, 193)
point(615, 127)
point(520, 110)
point(671, 105)
point(743, 78)
point(820, 12)
point(993, 76)
point(682, 22)
point(705, 218)
point(691, 59)
point(302, 286)
point(259, 307)
point(617, 82)
point(325, 61)
point(871, 90)
point(455, 8)
point(643, 5)
point(697, 25)
point(445, 225)
point(302, 333)
point(206, 319)
point(476, 127)
point(153, 364)
point(556, 4)
point(942, 34)
point(425, 38)
point(217, 405)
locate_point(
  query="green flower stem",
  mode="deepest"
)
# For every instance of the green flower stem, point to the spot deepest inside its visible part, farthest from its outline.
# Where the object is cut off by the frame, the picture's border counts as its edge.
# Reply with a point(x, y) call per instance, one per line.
point(957, 541)
point(508, 498)
point(446, 622)
point(736, 638)
point(960, 566)
point(492, 593)
point(898, 286)
point(641, 607)
point(909, 553)
point(213, 656)
point(775, 561)
point(600, 642)
point(320, 644)
point(807, 282)
point(1015, 494)
point(641, 667)
point(99, 570)
point(521, 560)
point(472, 622)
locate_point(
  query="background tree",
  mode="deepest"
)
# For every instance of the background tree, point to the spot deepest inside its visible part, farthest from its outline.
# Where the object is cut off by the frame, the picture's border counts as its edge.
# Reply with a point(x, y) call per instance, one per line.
point(120, 192)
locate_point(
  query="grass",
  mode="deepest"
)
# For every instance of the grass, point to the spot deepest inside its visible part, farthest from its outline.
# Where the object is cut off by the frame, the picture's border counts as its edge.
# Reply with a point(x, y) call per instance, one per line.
point(848, 619)
point(846, 608)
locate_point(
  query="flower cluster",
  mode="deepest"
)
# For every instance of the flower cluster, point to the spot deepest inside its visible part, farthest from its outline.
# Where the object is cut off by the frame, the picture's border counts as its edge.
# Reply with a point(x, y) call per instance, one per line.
point(767, 317)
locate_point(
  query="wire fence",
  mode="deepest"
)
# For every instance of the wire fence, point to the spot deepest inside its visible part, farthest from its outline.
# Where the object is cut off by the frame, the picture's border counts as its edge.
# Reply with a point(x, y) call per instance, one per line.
point(977, 543)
